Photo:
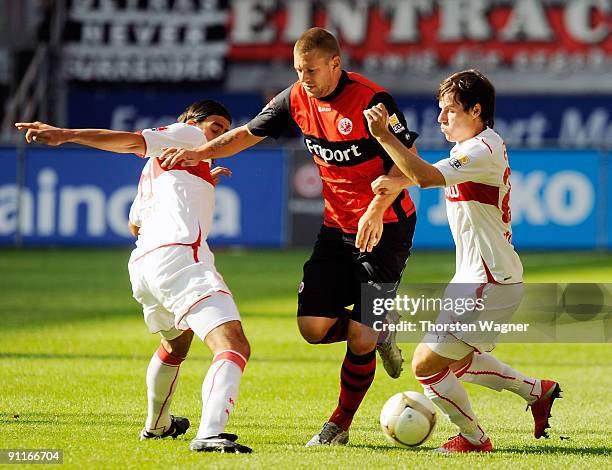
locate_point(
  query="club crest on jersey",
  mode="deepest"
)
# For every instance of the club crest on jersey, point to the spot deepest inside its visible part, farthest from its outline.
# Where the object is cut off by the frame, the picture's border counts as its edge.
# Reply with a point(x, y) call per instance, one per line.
point(458, 162)
point(345, 126)
point(395, 124)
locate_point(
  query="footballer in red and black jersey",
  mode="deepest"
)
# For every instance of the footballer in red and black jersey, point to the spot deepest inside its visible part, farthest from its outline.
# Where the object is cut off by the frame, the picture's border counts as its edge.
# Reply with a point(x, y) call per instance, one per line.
point(336, 134)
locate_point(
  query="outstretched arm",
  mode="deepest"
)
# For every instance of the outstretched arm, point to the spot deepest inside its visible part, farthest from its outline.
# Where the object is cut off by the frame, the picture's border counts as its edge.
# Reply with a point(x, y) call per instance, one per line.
point(223, 146)
point(103, 139)
point(422, 173)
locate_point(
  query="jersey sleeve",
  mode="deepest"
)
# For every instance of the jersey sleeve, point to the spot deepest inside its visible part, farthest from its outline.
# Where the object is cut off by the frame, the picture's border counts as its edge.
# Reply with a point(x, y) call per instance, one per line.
point(397, 121)
point(473, 162)
point(178, 135)
point(275, 118)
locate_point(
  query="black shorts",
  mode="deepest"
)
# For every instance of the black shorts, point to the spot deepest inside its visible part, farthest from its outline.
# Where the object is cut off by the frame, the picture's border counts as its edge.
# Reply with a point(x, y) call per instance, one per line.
point(337, 271)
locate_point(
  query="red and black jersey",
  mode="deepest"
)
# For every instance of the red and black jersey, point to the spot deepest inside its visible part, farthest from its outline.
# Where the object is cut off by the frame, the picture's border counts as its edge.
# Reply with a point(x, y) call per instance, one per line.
point(336, 134)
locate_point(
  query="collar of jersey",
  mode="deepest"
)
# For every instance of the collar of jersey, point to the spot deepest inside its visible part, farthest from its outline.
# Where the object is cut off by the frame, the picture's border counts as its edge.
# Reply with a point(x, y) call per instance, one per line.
point(343, 82)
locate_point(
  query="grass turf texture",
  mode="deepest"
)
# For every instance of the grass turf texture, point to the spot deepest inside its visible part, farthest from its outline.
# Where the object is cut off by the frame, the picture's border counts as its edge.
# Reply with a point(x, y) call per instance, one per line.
point(75, 350)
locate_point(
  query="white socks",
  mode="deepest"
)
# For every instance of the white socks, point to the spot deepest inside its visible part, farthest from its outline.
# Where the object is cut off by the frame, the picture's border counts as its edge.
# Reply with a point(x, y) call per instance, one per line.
point(219, 392)
point(488, 371)
point(445, 391)
point(162, 378)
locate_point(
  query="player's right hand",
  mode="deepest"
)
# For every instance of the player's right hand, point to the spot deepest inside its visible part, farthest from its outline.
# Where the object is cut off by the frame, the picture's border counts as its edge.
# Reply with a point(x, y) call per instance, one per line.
point(170, 157)
point(378, 120)
point(42, 133)
point(369, 230)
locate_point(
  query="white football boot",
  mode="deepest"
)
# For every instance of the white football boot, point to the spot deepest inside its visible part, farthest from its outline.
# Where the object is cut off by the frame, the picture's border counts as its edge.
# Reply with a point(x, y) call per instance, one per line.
point(389, 352)
point(330, 435)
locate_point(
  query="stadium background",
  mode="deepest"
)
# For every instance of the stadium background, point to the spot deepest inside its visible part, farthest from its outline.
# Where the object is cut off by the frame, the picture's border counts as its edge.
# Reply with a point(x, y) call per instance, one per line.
point(134, 64)
point(75, 347)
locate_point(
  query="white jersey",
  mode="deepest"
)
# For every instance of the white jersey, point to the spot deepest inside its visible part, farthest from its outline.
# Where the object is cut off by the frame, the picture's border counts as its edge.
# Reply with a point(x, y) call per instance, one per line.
point(172, 207)
point(478, 209)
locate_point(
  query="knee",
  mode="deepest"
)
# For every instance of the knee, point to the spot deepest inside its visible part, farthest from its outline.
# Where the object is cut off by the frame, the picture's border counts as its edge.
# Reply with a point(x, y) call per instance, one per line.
point(312, 332)
point(312, 337)
point(425, 362)
point(420, 368)
point(243, 347)
point(179, 346)
point(236, 340)
point(361, 346)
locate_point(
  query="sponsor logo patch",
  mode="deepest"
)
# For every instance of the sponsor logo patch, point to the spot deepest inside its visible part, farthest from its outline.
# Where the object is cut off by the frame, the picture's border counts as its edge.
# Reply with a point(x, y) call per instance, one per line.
point(395, 124)
point(345, 126)
point(458, 162)
point(324, 109)
point(330, 155)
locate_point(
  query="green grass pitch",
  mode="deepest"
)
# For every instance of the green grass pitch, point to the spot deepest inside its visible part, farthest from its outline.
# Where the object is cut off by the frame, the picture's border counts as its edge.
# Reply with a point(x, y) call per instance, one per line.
point(75, 349)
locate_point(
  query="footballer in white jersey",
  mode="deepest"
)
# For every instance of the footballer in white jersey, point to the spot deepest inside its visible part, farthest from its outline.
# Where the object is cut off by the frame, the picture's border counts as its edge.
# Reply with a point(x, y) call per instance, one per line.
point(172, 206)
point(477, 190)
point(172, 269)
point(173, 210)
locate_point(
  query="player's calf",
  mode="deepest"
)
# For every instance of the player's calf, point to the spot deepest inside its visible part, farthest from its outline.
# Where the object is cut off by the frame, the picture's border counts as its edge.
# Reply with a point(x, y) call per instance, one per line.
point(216, 321)
point(162, 380)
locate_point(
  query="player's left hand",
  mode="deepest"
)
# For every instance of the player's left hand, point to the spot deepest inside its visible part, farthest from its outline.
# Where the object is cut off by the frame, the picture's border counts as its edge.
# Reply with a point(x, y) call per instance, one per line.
point(42, 133)
point(218, 172)
point(378, 120)
point(369, 230)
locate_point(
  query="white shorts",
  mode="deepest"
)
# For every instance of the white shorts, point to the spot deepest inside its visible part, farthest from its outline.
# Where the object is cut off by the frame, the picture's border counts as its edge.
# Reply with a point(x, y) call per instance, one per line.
point(500, 302)
point(179, 292)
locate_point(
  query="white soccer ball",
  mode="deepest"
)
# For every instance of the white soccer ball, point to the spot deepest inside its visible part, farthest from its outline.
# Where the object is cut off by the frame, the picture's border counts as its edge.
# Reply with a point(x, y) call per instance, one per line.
point(407, 419)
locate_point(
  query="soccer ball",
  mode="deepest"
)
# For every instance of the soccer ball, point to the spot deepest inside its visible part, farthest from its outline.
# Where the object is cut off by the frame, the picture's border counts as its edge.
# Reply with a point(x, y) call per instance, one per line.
point(407, 419)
